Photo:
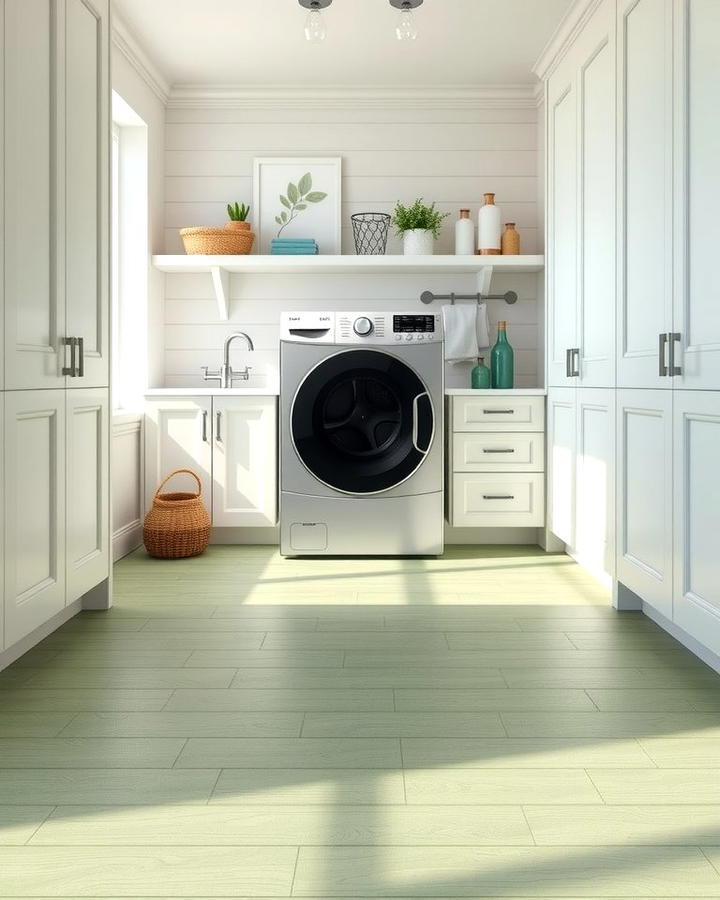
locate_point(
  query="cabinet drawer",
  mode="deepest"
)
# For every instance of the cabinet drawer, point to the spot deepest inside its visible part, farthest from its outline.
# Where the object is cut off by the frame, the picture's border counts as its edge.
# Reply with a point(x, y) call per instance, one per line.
point(498, 452)
point(487, 413)
point(483, 500)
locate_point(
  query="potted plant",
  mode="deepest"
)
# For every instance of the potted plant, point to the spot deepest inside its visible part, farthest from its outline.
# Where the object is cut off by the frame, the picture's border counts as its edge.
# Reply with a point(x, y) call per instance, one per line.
point(238, 213)
point(419, 227)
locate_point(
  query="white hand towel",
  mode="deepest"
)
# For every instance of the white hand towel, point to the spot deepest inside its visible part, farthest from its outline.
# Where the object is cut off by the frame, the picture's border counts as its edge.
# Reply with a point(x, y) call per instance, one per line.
point(459, 324)
point(483, 327)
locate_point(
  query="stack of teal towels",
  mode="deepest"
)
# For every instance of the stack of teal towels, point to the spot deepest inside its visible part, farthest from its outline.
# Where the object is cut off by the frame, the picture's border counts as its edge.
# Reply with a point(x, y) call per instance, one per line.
point(294, 247)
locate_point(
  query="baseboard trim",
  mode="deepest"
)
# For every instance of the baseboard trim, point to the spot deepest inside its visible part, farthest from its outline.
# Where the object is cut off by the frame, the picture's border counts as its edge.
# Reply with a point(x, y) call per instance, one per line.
point(7, 657)
point(707, 656)
point(127, 539)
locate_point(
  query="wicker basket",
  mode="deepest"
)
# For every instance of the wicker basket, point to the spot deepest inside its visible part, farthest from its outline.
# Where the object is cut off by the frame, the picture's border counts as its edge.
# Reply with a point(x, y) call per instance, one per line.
point(217, 241)
point(178, 524)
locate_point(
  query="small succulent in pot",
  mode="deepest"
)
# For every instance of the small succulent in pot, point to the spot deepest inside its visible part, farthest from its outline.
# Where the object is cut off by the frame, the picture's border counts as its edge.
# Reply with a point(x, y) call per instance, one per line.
point(238, 213)
point(418, 225)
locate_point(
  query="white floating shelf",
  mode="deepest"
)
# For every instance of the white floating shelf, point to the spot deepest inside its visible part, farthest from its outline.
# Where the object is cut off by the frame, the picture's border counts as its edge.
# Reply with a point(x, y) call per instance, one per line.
point(221, 267)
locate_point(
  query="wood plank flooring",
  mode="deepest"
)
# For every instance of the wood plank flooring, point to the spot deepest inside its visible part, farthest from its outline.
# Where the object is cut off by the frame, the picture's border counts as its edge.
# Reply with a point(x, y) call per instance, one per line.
point(239, 725)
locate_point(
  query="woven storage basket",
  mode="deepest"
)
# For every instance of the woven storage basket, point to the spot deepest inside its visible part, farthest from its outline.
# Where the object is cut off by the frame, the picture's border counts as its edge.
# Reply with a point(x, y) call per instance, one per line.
point(216, 241)
point(177, 525)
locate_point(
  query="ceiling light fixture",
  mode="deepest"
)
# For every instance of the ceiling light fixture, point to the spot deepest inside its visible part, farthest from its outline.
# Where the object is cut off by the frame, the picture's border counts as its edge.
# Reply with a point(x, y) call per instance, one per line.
point(315, 28)
point(405, 29)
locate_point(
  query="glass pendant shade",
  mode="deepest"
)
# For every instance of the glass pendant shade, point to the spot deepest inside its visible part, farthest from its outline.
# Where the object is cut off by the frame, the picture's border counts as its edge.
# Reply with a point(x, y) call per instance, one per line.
point(405, 29)
point(315, 29)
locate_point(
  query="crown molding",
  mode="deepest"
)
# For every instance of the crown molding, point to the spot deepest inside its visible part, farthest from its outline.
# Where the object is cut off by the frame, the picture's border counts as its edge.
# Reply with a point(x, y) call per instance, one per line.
point(570, 26)
point(125, 41)
point(522, 96)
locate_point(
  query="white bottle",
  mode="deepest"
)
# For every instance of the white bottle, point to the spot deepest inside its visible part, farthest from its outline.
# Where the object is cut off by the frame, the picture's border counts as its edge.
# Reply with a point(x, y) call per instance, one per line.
point(489, 227)
point(464, 234)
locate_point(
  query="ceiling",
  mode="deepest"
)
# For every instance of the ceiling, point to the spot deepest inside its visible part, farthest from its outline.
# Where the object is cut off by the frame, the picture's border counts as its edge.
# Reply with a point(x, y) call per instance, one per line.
point(260, 43)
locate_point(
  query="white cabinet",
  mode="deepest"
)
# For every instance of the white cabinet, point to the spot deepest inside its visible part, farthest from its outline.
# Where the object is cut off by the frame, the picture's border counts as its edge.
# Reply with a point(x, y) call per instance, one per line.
point(178, 435)
point(56, 98)
point(696, 439)
point(230, 441)
point(244, 461)
point(88, 492)
point(581, 210)
point(644, 495)
point(645, 98)
point(581, 503)
point(34, 440)
point(496, 474)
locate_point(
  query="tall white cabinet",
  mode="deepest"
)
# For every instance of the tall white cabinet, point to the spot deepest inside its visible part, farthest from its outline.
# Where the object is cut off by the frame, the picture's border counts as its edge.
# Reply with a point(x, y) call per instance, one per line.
point(54, 314)
point(647, 340)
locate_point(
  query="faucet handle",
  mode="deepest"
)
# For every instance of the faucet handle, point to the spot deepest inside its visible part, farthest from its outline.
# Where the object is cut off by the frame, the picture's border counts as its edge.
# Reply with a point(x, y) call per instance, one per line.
point(211, 376)
point(243, 374)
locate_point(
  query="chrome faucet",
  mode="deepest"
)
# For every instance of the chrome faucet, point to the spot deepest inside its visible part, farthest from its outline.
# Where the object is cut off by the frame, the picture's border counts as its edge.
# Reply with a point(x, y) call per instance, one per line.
point(226, 375)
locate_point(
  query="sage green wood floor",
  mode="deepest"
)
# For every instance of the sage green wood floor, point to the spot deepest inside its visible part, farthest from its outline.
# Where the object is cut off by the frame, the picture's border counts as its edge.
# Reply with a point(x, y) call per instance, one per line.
point(483, 725)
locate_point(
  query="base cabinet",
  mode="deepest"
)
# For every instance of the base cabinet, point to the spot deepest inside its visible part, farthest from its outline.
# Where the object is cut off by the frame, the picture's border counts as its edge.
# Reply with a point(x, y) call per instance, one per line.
point(229, 441)
point(696, 490)
point(644, 481)
point(581, 507)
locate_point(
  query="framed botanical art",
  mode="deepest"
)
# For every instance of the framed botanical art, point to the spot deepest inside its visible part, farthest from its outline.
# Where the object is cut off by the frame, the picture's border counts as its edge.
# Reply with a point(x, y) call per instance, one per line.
point(298, 198)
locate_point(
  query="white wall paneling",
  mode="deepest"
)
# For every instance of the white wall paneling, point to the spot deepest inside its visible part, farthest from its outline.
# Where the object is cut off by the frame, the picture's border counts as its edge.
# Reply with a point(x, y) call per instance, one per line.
point(645, 105)
point(645, 495)
point(34, 439)
point(562, 453)
point(128, 483)
point(696, 438)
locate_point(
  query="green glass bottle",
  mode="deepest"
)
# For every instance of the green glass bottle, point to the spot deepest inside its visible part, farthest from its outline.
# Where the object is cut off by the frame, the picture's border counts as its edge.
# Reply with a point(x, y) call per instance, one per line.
point(480, 375)
point(502, 360)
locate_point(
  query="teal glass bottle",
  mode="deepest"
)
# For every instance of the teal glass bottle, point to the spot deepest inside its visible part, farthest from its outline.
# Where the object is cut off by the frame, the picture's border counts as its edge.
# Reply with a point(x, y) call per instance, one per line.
point(480, 375)
point(502, 362)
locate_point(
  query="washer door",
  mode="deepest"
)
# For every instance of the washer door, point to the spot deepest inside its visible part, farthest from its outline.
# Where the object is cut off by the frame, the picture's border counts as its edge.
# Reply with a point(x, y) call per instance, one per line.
point(362, 421)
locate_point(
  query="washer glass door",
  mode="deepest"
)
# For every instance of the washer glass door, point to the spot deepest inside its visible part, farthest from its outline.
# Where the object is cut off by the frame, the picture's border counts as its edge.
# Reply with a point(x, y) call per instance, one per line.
point(362, 421)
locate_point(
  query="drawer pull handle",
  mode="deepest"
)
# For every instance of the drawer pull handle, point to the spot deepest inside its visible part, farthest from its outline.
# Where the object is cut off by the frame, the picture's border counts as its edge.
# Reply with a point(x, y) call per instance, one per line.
point(498, 496)
point(498, 412)
point(491, 450)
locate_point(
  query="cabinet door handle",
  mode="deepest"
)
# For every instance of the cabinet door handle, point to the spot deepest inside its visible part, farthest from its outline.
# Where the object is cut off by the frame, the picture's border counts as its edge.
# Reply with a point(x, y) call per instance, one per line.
point(568, 363)
point(662, 345)
point(218, 417)
point(673, 336)
point(70, 370)
point(498, 412)
point(81, 357)
point(204, 426)
point(491, 450)
point(498, 496)
point(575, 362)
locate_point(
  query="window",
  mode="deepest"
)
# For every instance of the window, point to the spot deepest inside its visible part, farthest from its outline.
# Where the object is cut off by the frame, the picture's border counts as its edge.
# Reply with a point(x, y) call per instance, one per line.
point(129, 247)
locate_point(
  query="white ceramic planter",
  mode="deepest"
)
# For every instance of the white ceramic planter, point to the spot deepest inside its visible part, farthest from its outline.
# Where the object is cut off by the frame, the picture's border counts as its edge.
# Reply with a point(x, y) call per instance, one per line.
point(418, 242)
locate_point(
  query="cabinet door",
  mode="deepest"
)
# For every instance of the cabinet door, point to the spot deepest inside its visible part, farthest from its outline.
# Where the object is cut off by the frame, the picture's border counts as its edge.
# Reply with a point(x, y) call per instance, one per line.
point(88, 476)
point(595, 50)
point(644, 498)
point(34, 295)
point(594, 545)
point(178, 436)
point(34, 510)
point(244, 461)
point(697, 232)
point(645, 231)
point(561, 463)
point(696, 438)
point(562, 221)
point(86, 185)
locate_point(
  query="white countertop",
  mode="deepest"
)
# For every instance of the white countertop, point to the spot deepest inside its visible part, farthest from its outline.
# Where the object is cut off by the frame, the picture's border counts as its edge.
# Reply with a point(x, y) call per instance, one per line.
point(268, 391)
point(514, 392)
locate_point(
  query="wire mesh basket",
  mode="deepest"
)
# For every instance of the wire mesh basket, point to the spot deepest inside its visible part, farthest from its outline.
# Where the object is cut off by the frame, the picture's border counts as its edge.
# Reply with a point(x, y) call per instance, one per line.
point(370, 231)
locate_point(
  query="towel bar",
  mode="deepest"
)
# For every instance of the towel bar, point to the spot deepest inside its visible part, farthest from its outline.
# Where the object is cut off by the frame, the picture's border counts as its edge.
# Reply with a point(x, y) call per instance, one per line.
point(508, 297)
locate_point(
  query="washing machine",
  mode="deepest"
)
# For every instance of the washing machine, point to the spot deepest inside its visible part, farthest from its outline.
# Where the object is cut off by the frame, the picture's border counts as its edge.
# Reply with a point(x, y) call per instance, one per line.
point(361, 434)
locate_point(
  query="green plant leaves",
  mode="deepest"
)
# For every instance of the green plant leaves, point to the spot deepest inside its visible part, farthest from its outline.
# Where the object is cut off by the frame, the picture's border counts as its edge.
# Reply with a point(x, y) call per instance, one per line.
point(300, 206)
point(278, 220)
point(285, 202)
point(315, 196)
point(427, 218)
point(305, 184)
point(298, 197)
point(293, 193)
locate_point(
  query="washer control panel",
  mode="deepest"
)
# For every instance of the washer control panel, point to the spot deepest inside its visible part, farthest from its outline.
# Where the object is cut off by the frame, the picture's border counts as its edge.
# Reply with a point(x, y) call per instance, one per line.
point(387, 328)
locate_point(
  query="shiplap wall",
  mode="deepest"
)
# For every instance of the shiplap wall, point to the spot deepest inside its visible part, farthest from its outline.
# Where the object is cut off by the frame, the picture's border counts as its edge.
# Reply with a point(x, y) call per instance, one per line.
point(389, 152)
